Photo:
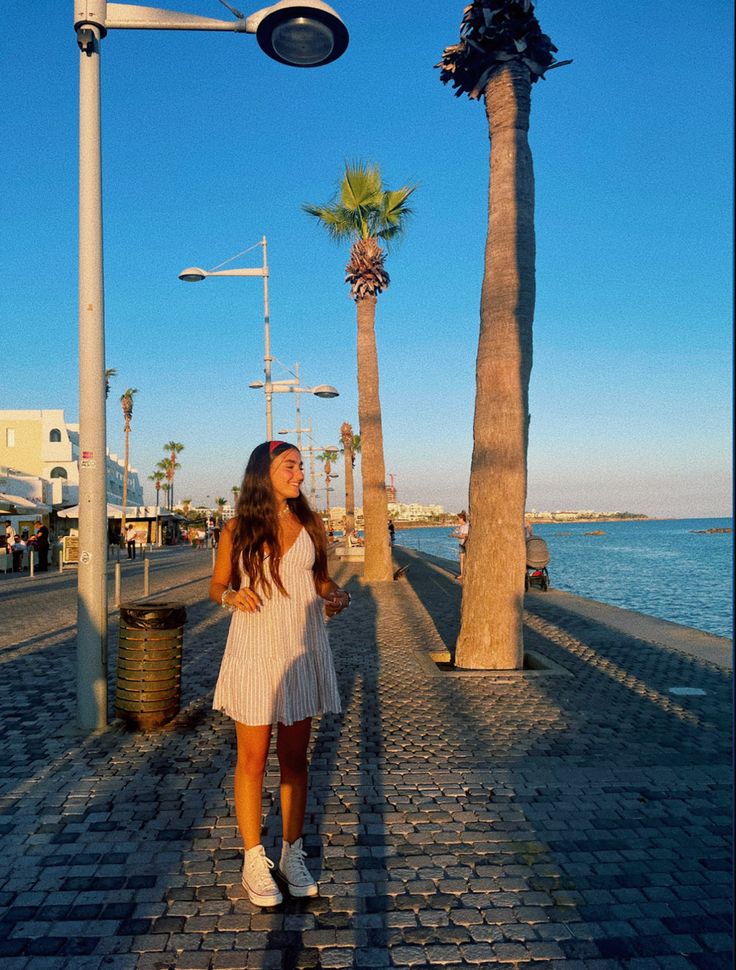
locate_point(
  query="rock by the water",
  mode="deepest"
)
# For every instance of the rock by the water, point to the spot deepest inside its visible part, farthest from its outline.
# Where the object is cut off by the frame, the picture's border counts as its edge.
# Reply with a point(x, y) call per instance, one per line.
point(598, 532)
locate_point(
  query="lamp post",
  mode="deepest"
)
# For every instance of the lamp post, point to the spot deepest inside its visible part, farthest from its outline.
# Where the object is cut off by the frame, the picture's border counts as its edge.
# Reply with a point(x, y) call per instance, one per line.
point(291, 386)
point(193, 274)
point(302, 33)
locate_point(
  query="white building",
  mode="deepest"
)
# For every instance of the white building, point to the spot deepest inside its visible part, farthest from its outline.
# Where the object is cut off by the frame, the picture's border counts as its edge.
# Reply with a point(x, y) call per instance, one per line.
point(42, 445)
point(414, 512)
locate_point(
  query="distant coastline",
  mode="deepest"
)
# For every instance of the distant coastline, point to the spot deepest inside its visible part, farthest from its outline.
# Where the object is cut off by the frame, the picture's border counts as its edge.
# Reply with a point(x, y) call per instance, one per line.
point(450, 520)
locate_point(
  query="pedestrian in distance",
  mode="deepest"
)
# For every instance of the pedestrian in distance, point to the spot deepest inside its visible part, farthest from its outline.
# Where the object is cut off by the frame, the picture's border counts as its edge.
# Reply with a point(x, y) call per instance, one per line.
point(391, 530)
point(271, 574)
point(461, 534)
point(41, 545)
point(130, 537)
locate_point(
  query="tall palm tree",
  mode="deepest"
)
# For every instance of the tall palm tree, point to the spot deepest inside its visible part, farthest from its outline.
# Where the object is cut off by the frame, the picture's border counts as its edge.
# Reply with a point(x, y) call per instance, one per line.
point(502, 51)
point(173, 448)
point(110, 372)
point(348, 450)
point(126, 403)
point(364, 214)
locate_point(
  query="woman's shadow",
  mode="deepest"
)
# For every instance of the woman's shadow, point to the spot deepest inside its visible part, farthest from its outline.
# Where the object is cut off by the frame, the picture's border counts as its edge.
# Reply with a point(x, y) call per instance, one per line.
point(345, 808)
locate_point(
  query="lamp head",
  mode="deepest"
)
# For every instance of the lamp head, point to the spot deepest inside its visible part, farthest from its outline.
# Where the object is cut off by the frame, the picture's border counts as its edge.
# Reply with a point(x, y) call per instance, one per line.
point(325, 390)
point(256, 384)
point(192, 274)
point(301, 33)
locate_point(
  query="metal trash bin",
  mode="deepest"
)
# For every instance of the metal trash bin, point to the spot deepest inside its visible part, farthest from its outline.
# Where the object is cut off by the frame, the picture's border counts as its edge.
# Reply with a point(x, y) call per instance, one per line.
point(148, 687)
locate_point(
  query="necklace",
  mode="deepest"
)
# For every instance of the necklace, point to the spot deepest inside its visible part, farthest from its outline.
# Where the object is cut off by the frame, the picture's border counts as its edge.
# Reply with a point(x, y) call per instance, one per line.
point(284, 510)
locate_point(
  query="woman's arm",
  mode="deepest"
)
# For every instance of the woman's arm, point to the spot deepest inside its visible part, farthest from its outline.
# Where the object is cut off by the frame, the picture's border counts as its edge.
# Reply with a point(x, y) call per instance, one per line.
point(336, 599)
point(221, 591)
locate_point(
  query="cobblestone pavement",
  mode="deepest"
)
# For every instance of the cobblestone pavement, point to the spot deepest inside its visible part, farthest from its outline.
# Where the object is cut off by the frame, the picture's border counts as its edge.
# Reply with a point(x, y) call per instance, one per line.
point(578, 817)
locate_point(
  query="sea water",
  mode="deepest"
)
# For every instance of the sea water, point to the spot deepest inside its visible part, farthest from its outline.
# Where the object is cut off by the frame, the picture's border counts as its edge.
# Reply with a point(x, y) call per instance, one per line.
point(664, 568)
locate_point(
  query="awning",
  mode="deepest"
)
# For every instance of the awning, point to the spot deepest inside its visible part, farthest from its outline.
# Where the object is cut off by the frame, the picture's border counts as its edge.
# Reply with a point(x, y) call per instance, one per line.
point(134, 512)
point(21, 505)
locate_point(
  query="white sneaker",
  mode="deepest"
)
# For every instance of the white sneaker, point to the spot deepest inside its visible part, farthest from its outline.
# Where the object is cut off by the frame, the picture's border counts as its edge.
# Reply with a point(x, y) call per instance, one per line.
point(294, 870)
point(257, 879)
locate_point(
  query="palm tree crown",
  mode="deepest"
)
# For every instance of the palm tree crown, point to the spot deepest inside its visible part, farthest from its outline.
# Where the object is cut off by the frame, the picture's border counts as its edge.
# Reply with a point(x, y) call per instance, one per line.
point(492, 33)
point(349, 442)
point(126, 402)
point(363, 213)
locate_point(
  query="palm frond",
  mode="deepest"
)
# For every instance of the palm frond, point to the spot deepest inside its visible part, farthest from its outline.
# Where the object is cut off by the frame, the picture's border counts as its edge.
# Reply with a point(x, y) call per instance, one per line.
point(361, 186)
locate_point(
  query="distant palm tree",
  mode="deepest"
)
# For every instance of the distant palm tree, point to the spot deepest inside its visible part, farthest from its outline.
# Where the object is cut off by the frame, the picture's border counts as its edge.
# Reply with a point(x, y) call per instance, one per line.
point(110, 372)
point(220, 503)
point(157, 478)
point(327, 457)
point(126, 403)
point(348, 450)
point(169, 469)
point(364, 214)
point(185, 505)
point(502, 51)
point(236, 491)
point(173, 448)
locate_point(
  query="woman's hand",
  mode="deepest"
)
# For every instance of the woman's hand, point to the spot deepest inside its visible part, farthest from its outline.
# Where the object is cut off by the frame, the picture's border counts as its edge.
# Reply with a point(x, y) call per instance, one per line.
point(336, 601)
point(245, 599)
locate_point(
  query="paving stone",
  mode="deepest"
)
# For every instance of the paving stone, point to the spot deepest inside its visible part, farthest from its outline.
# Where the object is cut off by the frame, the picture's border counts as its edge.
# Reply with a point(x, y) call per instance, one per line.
point(576, 823)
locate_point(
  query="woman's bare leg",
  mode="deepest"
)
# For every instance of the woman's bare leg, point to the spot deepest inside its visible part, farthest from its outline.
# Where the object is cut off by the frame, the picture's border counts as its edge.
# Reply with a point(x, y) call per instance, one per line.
point(291, 746)
point(253, 743)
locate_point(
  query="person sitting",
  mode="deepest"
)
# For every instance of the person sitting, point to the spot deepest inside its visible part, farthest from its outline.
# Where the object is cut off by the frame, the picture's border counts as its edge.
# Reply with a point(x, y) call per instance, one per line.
point(17, 548)
point(354, 539)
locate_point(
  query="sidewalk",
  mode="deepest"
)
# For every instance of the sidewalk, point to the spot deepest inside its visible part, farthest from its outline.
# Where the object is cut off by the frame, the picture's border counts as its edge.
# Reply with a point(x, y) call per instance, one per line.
point(574, 817)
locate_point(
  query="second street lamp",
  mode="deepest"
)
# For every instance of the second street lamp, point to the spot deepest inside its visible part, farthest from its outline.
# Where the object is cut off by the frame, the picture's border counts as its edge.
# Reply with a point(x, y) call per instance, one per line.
point(193, 274)
point(290, 386)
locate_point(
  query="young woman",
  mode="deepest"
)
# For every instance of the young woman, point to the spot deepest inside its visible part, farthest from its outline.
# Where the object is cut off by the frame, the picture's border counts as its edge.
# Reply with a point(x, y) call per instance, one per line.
point(271, 573)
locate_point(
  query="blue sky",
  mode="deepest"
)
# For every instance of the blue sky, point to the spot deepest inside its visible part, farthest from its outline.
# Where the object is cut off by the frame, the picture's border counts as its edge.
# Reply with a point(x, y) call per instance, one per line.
point(208, 145)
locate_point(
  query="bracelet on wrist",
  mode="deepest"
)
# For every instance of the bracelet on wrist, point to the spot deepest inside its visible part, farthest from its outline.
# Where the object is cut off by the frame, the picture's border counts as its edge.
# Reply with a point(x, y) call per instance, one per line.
point(223, 604)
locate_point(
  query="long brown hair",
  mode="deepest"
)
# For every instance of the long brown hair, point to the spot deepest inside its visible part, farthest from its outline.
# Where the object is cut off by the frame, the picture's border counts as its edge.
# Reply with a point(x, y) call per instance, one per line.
point(257, 524)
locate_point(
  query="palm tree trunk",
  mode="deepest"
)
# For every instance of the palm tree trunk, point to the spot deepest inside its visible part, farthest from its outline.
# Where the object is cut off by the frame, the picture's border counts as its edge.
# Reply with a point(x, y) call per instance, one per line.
point(125, 477)
point(349, 493)
point(493, 585)
point(378, 565)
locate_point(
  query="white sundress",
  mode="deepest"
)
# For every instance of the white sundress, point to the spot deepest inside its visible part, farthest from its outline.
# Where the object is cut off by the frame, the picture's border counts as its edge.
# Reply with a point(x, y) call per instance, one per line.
point(277, 666)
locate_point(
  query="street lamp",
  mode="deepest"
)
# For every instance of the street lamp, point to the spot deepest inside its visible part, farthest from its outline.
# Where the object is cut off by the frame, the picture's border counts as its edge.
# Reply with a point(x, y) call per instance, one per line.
point(291, 385)
point(298, 429)
point(303, 34)
point(193, 274)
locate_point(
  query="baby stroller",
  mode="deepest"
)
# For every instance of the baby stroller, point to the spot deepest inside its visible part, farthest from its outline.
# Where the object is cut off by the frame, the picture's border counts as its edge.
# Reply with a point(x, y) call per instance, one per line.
point(537, 557)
